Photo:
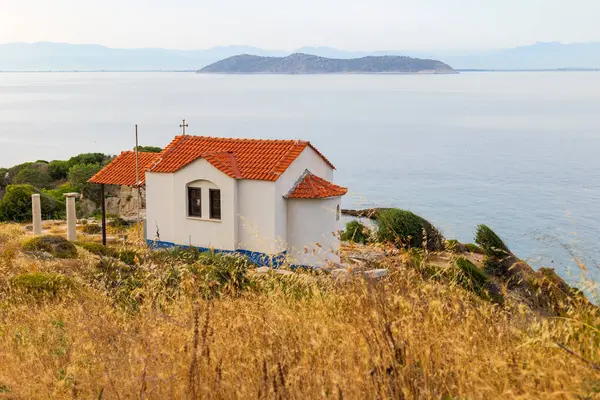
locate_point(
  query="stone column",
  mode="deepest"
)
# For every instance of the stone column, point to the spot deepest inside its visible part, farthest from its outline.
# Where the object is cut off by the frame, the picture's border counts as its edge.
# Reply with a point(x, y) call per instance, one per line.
point(71, 216)
point(36, 212)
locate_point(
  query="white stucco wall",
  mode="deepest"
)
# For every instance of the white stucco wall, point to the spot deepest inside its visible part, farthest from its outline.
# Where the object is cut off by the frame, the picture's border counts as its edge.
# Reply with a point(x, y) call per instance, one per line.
point(308, 159)
point(312, 231)
point(257, 220)
point(159, 206)
point(167, 206)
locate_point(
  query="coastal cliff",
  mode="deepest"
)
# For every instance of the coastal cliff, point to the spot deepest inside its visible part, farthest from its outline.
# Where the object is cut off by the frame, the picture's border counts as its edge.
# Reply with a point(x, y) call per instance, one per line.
point(309, 64)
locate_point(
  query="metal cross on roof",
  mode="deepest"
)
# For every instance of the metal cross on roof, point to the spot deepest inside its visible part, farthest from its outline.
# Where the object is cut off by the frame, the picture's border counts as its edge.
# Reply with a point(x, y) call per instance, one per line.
point(183, 126)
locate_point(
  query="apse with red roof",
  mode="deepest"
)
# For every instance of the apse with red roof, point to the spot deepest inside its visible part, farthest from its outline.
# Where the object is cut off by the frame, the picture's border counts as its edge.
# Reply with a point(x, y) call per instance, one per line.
point(272, 200)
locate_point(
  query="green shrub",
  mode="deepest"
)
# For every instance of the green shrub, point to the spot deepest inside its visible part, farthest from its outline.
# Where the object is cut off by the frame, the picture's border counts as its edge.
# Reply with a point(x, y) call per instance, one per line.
point(3, 181)
point(119, 223)
point(16, 204)
point(41, 284)
point(470, 271)
point(88, 158)
point(473, 248)
point(79, 174)
point(473, 279)
point(58, 170)
point(121, 282)
point(129, 257)
point(98, 249)
point(186, 255)
point(56, 245)
point(405, 229)
point(491, 243)
point(356, 232)
point(91, 229)
point(149, 149)
point(59, 193)
point(34, 177)
point(221, 273)
point(13, 171)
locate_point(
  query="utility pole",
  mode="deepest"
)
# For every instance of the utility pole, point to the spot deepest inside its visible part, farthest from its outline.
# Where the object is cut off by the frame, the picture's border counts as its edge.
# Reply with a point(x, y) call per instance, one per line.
point(137, 183)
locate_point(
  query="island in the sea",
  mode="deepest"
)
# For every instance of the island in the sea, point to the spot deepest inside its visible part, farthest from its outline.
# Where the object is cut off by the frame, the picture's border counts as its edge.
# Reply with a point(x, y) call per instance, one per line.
point(309, 64)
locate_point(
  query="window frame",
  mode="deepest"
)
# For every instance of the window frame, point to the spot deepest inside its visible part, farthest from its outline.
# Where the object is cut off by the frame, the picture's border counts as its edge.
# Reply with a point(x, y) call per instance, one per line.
point(190, 207)
point(211, 210)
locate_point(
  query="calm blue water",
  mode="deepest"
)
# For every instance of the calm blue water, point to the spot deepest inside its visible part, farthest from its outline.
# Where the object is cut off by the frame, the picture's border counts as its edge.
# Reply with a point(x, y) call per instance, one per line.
point(517, 151)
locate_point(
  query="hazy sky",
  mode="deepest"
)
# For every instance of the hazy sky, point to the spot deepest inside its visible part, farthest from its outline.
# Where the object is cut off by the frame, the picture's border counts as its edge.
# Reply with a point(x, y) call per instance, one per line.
point(288, 24)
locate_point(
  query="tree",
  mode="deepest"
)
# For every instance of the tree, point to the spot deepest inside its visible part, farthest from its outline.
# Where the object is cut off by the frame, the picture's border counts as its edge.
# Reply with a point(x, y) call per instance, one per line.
point(149, 149)
point(16, 204)
point(58, 169)
point(79, 175)
point(3, 172)
point(34, 177)
point(88, 158)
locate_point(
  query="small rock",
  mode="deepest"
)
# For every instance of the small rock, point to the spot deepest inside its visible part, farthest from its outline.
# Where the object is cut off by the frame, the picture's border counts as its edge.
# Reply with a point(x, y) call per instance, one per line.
point(376, 273)
point(262, 270)
point(341, 274)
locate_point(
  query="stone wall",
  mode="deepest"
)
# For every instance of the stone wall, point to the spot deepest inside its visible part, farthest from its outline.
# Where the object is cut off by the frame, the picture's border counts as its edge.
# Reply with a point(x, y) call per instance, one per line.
point(120, 200)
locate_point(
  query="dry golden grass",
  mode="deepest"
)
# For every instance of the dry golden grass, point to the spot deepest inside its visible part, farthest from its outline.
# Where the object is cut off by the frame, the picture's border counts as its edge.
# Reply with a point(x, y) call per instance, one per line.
point(299, 337)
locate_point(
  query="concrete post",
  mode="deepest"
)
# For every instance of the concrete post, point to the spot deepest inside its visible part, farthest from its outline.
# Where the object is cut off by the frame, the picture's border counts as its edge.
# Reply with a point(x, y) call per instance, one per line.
point(36, 212)
point(71, 216)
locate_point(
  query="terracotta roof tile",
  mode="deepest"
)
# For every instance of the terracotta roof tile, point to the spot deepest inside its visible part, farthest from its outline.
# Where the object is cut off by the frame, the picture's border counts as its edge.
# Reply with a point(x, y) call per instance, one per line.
point(310, 186)
point(121, 170)
point(249, 158)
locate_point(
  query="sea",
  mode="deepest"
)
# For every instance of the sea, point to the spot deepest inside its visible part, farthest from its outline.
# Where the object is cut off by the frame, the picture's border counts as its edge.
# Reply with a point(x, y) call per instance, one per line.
point(518, 151)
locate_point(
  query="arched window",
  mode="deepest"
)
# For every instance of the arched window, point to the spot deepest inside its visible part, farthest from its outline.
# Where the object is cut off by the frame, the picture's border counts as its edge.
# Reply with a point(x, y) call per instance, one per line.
point(338, 213)
point(203, 200)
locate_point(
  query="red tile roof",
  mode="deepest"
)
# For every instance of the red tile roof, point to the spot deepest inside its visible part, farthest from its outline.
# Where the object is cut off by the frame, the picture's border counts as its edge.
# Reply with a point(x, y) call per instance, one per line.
point(121, 170)
point(238, 158)
point(310, 186)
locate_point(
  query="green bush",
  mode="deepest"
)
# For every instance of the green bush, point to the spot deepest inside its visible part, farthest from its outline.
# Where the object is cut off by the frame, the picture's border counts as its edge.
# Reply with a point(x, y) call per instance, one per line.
point(58, 170)
point(79, 174)
point(39, 284)
point(34, 177)
point(16, 204)
point(91, 229)
point(119, 223)
point(473, 248)
point(88, 158)
point(356, 232)
point(149, 149)
point(56, 245)
point(470, 271)
point(491, 243)
point(98, 249)
point(3, 181)
point(121, 282)
point(129, 257)
point(405, 229)
point(13, 171)
point(186, 255)
point(221, 273)
point(473, 279)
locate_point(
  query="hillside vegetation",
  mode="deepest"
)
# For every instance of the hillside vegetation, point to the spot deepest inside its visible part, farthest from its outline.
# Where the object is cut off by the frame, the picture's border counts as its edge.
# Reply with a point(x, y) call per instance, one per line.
point(51, 180)
point(308, 64)
point(87, 321)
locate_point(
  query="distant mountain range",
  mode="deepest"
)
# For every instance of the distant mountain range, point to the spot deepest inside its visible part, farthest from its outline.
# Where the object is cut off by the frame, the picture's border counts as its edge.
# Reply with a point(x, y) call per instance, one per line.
point(299, 63)
point(44, 56)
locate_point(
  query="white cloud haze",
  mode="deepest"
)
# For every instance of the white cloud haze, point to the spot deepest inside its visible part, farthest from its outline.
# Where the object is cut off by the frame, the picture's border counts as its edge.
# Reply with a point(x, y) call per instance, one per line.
point(276, 24)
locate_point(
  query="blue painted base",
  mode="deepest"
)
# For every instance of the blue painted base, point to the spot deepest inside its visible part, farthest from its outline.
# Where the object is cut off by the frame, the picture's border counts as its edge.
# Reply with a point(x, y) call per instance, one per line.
point(255, 257)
